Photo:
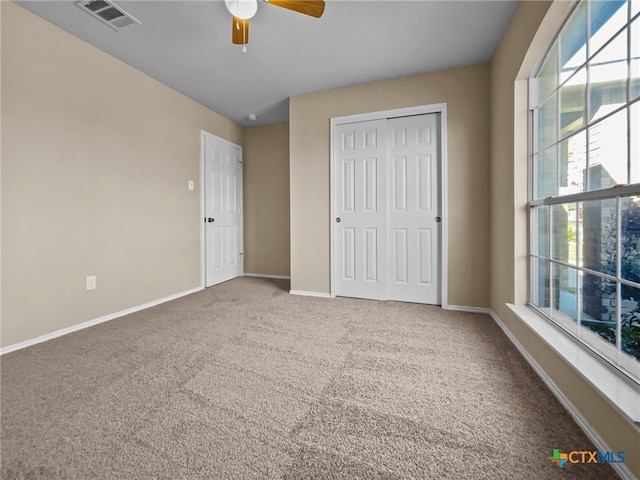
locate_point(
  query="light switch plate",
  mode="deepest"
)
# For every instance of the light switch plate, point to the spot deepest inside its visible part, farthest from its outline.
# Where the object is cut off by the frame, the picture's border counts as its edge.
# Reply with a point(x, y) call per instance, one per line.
point(191, 185)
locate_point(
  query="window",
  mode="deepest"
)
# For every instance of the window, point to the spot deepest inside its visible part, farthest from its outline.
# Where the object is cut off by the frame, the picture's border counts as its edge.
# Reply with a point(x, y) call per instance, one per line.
point(585, 181)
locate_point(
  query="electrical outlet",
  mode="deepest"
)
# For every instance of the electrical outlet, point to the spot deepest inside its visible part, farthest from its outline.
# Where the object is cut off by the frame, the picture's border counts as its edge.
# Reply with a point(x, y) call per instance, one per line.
point(91, 282)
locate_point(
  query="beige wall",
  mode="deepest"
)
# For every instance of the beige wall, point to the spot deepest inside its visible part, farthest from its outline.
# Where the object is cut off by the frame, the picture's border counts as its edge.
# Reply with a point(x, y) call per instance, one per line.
point(466, 91)
point(96, 157)
point(266, 199)
point(529, 34)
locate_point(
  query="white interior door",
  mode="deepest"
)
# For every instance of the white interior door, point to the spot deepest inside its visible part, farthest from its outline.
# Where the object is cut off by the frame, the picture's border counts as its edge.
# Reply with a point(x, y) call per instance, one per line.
point(387, 206)
point(360, 233)
point(222, 210)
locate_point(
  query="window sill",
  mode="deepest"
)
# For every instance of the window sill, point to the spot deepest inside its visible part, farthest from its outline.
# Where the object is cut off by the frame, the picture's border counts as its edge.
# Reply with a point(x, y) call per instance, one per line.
point(622, 392)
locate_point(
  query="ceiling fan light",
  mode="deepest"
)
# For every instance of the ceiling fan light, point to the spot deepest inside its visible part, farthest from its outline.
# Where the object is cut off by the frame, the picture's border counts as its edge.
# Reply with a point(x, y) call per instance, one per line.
point(243, 9)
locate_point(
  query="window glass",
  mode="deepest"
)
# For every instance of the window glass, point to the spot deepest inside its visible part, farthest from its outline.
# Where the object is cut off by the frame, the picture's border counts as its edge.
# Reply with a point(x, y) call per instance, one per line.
point(630, 240)
point(563, 292)
point(548, 122)
point(608, 164)
point(598, 312)
point(598, 235)
point(546, 173)
point(634, 86)
point(541, 291)
point(572, 103)
point(630, 321)
point(573, 164)
point(542, 235)
point(608, 78)
point(634, 142)
point(548, 76)
point(573, 43)
point(563, 240)
point(605, 19)
point(635, 7)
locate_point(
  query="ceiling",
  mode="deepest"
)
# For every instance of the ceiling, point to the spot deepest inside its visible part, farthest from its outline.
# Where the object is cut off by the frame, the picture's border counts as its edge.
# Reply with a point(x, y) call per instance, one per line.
point(187, 46)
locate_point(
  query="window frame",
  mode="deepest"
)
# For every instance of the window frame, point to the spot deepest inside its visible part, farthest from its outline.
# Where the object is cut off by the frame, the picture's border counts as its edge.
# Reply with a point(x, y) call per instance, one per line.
point(616, 192)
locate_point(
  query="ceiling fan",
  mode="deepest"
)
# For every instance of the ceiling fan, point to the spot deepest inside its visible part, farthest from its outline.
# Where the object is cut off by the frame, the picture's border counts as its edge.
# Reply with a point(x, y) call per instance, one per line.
point(243, 10)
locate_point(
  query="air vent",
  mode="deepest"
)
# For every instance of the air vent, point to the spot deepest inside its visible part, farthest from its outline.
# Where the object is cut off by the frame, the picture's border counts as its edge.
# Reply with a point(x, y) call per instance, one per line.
point(109, 13)
point(97, 5)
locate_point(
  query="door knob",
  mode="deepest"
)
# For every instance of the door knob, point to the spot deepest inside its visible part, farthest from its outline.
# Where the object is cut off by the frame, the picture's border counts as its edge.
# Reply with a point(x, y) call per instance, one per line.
point(438, 219)
point(338, 220)
point(209, 219)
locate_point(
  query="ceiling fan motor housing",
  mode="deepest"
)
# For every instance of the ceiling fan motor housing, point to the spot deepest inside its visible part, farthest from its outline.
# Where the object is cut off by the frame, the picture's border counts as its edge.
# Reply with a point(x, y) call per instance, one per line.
point(243, 9)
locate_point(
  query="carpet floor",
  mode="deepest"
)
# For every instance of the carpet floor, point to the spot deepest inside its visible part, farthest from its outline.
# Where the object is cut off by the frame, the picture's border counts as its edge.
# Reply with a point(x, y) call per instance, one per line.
point(244, 381)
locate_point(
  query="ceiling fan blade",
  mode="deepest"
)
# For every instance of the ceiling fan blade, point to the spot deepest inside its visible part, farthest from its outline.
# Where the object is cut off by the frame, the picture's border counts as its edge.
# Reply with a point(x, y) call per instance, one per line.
point(240, 32)
point(314, 8)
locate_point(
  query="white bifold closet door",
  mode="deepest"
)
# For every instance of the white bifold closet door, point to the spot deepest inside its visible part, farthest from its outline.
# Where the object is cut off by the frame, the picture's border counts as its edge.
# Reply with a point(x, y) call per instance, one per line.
point(386, 203)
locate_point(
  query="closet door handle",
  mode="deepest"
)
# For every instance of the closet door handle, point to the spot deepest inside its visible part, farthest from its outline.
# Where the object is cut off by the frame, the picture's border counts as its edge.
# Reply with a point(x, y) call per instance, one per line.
point(438, 219)
point(338, 220)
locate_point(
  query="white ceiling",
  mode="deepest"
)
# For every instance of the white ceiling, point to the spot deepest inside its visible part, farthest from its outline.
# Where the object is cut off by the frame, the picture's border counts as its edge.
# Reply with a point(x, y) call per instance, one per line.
point(187, 45)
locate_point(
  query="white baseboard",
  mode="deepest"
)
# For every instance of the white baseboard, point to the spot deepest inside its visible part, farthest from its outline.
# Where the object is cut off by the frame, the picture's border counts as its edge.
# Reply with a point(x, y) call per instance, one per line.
point(620, 468)
point(460, 308)
point(263, 275)
point(91, 323)
point(309, 294)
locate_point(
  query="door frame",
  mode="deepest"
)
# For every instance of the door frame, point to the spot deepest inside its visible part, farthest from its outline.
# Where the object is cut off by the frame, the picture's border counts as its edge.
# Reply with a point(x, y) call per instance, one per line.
point(440, 108)
point(203, 264)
